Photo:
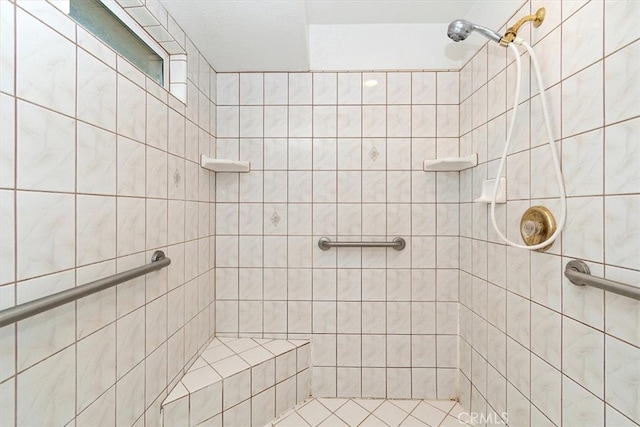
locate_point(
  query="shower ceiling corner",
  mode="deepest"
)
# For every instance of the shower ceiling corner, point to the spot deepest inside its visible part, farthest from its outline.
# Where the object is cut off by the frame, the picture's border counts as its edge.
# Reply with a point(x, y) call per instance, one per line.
point(338, 35)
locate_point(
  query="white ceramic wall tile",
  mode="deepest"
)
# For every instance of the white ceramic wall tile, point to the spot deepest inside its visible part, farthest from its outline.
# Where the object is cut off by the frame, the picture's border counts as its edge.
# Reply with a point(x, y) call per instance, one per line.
point(156, 223)
point(131, 170)
point(228, 89)
point(324, 121)
point(275, 89)
point(96, 311)
point(157, 128)
point(620, 155)
point(579, 91)
point(373, 382)
point(33, 333)
point(617, 31)
point(7, 17)
point(423, 122)
point(349, 121)
point(582, 164)
point(130, 329)
point(300, 121)
point(251, 122)
point(348, 382)
point(399, 121)
point(55, 87)
point(349, 88)
point(583, 355)
point(399, 88)
point(156, 171)
point(130, 110)
point(7, 246)
point(96, 91)
point(228, 121)
point(423, 87)
point(478, 103)
point(46, 392)
point(577, 55)
point(466, 116)
point(102, 409)
point(176, 133)
point(578, 243)
point(496, 97)
point(300, 154)
point(325, 88)
point(448, 88)
point(549, 59)
point(579, 404)
point(621, 317)
point(130, 392)
point(7, 141)
point(45, 233)
point(397, 378)
point(46, 149)
point(373, 121)
point(95, 229)
point(263, 407)
point(374, 89)
point(479, 67)
point(131, 225)
point(275, 121)
point(620, 226)
point(300, 88)
point(617, 418)
point(621, 374)
point(96, 365)
point(251, 89)
point(621, 70)
point(96, 160)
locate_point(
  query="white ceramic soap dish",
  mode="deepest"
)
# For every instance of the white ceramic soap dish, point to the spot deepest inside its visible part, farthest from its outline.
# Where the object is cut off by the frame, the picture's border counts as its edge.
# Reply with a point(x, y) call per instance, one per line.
point(222, 165)
point(487, 191)
point(450, 164)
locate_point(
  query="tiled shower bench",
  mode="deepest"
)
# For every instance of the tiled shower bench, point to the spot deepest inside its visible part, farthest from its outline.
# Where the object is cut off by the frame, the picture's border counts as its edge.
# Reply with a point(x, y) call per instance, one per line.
point(240, 382)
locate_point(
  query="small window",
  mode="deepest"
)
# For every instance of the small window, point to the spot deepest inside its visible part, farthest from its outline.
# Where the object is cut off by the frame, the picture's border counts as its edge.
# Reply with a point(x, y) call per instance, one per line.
point(94, 16)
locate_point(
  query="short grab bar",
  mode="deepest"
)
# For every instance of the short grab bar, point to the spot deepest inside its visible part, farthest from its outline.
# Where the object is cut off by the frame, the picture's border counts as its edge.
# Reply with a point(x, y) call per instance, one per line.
point(398, 244)
point(37, 306)
point(578, 273)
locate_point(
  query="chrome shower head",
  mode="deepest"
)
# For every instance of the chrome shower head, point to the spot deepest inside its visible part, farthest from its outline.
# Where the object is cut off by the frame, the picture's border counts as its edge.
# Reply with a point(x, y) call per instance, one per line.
point(460, 29)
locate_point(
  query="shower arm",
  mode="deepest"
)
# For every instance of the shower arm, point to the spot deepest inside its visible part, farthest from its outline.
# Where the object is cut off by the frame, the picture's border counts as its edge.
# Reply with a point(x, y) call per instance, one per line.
point(512, 32)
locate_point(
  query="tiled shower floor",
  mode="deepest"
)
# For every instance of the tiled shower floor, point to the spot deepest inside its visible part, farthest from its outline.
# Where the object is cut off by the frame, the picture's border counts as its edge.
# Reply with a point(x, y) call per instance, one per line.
point(371, 412)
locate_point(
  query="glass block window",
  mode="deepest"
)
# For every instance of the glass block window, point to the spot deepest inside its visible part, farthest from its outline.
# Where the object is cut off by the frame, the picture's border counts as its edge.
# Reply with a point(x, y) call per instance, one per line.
point(96, 18)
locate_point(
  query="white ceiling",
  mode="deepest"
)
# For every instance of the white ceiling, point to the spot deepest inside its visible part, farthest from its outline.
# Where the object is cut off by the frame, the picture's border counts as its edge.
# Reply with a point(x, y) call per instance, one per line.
point(303, 35)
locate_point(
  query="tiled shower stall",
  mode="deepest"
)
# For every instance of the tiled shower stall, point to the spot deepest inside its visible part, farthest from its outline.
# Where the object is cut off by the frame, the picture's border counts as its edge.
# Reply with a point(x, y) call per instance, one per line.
point(100, 167)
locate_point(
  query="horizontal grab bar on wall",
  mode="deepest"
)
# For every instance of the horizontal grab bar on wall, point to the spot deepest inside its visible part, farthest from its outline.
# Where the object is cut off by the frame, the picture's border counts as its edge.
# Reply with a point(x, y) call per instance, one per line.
point(31, 308)
point(398, 244)
point(578, 273)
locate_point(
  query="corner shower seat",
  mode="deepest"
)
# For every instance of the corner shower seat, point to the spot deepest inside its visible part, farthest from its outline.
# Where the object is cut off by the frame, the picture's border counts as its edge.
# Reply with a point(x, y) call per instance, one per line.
point(240, 381)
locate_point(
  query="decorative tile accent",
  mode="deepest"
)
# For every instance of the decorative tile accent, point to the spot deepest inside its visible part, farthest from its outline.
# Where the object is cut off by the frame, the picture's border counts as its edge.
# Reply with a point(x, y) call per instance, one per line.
point(275, 219)
point(177, 179)
point(374, 154)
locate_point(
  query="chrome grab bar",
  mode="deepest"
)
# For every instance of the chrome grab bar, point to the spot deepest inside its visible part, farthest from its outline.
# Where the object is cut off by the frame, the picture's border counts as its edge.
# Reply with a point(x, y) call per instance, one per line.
point(398, 244)
point(579, 274)
point(31, 308)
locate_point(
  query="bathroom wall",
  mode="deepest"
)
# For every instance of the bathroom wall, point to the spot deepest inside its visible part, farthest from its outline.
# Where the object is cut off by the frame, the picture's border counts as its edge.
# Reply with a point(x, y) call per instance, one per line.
point(99, 169)
point(533, 345)
point(340, 155)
